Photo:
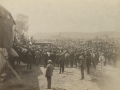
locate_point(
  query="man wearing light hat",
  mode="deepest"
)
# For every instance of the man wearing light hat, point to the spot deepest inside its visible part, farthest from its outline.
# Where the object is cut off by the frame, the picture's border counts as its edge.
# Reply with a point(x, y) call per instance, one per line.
point(49, 71)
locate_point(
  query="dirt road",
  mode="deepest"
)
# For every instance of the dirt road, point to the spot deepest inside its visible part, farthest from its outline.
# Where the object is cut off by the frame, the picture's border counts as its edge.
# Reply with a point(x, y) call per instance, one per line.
point(99, 79)
point(69, 80)
point(107, 78)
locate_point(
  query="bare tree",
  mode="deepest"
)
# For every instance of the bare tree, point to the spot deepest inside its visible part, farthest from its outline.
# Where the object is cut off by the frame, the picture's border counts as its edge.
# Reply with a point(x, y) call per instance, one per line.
point(22, 23)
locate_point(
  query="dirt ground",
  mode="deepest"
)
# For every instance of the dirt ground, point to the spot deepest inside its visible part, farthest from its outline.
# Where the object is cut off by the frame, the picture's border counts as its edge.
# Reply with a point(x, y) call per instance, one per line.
point(69, 80)
point(28, 77)
point(106, 78)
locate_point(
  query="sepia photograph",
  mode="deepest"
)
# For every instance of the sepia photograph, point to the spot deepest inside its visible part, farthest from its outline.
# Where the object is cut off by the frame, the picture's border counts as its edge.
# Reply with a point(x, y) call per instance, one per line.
point(59, 44)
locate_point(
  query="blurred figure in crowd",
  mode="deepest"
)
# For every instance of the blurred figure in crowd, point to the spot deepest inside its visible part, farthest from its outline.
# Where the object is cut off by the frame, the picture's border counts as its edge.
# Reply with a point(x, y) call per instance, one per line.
point(29, 60)
point(82, 63)
point(61, 62)
point(102, 59)
point(37, 57)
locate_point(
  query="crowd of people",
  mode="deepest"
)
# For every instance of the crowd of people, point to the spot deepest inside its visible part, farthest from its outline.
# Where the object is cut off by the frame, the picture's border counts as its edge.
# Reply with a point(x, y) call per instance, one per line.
point(69, 53)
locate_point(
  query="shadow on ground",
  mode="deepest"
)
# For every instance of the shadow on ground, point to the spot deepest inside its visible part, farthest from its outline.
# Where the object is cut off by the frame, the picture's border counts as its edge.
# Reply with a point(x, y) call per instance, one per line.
point(28, 77)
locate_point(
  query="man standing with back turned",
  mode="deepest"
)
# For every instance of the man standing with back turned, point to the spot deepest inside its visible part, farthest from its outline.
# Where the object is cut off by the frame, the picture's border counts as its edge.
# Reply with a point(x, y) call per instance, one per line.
point(49, 71)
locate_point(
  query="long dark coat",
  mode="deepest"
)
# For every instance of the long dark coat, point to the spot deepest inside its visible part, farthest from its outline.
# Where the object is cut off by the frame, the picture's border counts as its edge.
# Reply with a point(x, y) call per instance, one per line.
point(49, 70)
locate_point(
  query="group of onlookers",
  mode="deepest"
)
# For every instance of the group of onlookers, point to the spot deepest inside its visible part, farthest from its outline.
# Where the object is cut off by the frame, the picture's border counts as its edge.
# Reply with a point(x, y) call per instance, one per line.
point(68, 53)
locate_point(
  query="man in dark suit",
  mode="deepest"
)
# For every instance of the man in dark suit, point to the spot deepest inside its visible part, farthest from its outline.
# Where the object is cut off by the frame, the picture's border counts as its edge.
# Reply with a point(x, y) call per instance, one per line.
point(88, 61)
point(93, 57)
point(61, 62)
point(82, 64)
point(45, 57)
point(29, 60)
point(37, 56)
point(71, 59)
point(49, 71)
point(76, 57)
point(53, 57)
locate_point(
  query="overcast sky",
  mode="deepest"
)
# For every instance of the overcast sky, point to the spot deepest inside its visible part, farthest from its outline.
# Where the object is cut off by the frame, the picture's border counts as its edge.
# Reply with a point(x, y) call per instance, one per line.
point(67, 15)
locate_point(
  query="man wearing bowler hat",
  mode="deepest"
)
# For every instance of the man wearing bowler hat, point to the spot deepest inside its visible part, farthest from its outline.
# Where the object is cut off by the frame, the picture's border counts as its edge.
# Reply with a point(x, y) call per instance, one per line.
point(49, 71)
